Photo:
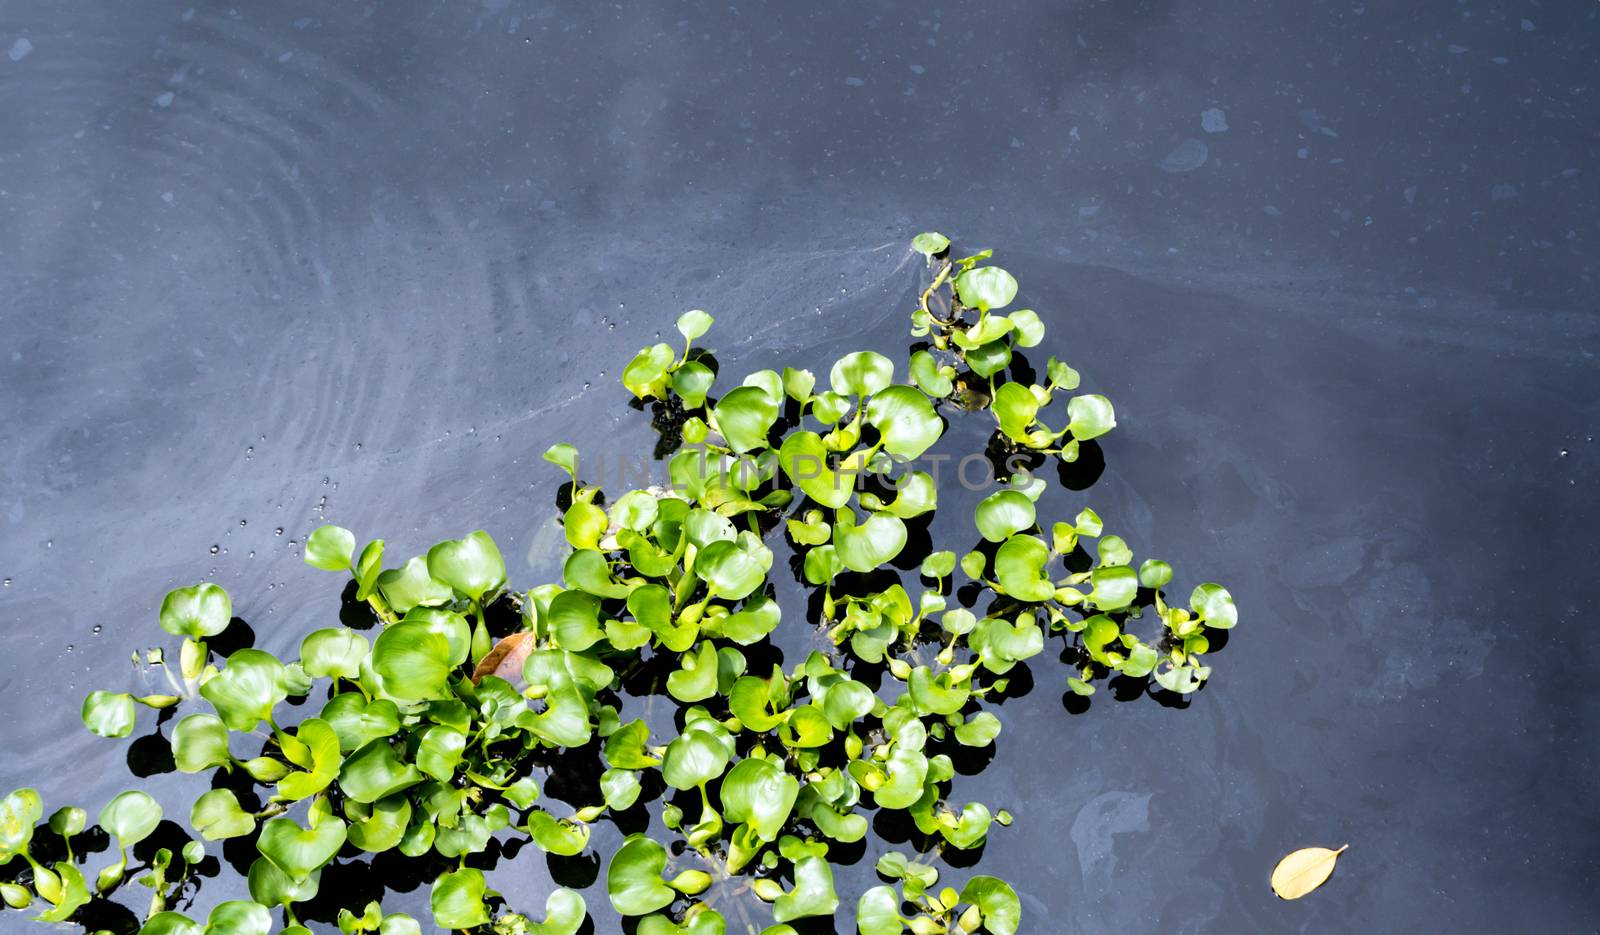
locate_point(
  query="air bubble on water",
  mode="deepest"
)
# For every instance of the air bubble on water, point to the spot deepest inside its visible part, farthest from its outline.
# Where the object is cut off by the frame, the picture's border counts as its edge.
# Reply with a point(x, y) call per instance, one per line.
point(243, 522)
point(358, 446)
point(1565, 452)
point(6, 583)
point(252, 553)
point(278, 531)
point(70, 647)
point(97, 629)
point(586, 384)
point(215, 549)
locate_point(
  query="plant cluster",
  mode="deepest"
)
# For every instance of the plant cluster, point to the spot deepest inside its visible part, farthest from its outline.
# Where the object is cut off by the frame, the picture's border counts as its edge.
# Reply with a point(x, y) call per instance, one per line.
point(431, 739)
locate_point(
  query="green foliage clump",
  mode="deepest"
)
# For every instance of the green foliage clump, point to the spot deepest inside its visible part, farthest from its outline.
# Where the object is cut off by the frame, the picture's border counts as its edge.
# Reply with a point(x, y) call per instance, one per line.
point(430, 738)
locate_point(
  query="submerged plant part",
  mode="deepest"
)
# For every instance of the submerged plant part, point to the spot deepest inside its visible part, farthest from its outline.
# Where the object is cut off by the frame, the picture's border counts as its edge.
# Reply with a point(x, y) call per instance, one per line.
point(432, 738)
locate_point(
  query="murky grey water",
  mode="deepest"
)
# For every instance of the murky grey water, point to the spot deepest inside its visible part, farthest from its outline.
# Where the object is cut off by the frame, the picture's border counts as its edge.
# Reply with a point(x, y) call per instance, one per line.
point(266, 267)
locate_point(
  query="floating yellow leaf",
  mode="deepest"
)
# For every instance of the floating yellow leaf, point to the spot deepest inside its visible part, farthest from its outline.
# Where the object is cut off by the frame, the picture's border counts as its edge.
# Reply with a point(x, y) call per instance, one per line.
point(1303, 871)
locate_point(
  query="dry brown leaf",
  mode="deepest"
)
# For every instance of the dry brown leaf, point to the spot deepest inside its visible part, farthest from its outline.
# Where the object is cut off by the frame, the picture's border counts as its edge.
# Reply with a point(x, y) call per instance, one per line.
point(505, 659)
point(1303, 871)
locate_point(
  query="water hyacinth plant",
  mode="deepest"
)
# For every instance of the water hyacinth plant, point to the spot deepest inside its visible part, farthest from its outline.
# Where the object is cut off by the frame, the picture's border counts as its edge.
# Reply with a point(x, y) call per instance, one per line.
point(431, 738)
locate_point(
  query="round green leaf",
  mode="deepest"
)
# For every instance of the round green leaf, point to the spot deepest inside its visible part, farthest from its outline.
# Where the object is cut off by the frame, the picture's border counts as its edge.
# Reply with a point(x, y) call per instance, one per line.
point(270, 886)
point(731, 571)
point(813, 893)
point(336, 652)
point(199, 743)
point(172, 923)
point(298, 851)
point(933, 379)
point(744, 416)
point(196, 612)
point(1091, 416)
point(694, 324)
point(109, 714)
point(563, 837)
point(247, 689)
point(382, 825)
point(1002, 911)
point(330, 548)
point(239, 917)
point(761, 794)
point(1115, 587)
point(19, 812)
point(878, 912)
point(471, 565)
point(875, 542)
point(1019, 565)
point(1026, 327)
point(130, 817)
point(1214, 605)
point(1154, 574)
point(217, 815)
point(410, 586)
point(457, 899)
point(805, 461)
point(633, 880)
point(376, 771)
point(986, 288)
point(905, 420)
point(319, 758)
point(928, 244)
point(1003, 514)
point(646, 375)
point(861, 374)
point(694, 758)
point(413, 659)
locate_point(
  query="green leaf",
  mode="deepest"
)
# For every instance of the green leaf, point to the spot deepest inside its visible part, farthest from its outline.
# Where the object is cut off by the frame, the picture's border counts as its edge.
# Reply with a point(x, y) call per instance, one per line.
point(1027, 327)
point(694, 324)
point(1154, 574)
point(173, 923)
point(744, 416)
point(321, 761)
point(440, 750)
point(1114, 551)
point(934, 380)
point(130, 817)
point(761, 794)
point(697, 679)
point(1015, 408)
point(239, 917)
point(1214, 606)
point(752, 624)
point(1002, 911)
point(410, 586)
point(905, 420)
point(564, 912)
point(692, 382)
point(196, 612)
point(1115, 587)
point(297, 851)
point(805, 461)
point(380, 826)
point(980, 731)
point(1091, 416)
point(413, 659)
point(74, 894)
point(620, 788)
point(878, 912)
point(861, 374)
point(1019, 565)
point(19, 812)
point(694, 758)
point(873, 543)
point(732, 571)
point(217, 815)
point(270, 886)
point(1003, 514)
point(335, 652)
point(646, 375)
point(990, 328)
point(813, 893)
point(109, 714)
point(471, 565)
point(247, 689)
point(376, 771)
point(928, 244)
point(330, 548)
point(562, 837)
point(990, 359)
point(986, 288)
point(633, 880)
point(457, 899)
point(357, 721)
point(798, 384)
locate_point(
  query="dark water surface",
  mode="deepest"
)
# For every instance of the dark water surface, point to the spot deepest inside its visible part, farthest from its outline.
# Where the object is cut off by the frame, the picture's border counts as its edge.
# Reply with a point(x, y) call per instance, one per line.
point(268, 265)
